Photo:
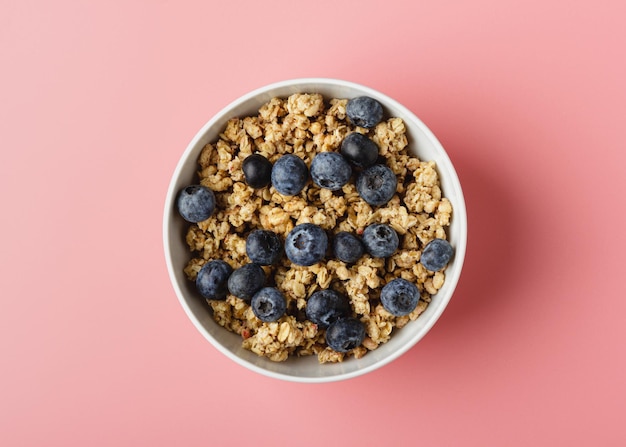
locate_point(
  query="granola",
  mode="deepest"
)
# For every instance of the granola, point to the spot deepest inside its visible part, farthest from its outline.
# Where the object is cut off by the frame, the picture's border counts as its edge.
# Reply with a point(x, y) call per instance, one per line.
point(306, 124)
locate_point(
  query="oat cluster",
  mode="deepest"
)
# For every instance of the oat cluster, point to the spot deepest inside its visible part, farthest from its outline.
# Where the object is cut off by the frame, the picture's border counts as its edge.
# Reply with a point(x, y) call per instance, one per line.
point(305, 124)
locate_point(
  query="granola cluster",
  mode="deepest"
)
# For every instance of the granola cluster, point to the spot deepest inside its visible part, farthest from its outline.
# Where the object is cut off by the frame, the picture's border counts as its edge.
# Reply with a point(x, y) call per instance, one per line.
point(305, 124)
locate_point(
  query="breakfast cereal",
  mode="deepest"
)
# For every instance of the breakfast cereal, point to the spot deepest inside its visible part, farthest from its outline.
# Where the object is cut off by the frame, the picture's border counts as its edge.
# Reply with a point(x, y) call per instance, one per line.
point(304, 125)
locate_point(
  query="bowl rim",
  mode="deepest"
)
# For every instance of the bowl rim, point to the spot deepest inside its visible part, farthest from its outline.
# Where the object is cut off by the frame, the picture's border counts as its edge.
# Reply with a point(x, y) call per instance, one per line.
point(460, 213)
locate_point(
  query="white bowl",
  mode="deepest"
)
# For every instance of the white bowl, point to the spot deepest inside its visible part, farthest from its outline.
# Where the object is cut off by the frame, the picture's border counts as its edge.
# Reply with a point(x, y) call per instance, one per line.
point(307, 369)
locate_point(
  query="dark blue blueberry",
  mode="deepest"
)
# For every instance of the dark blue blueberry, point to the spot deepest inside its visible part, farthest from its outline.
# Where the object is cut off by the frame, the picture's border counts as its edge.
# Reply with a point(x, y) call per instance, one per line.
point(345, 334)
point(289, 175)
point(380, 240)
point(330, 170)
point(268, 304)
point(306, 244)
point(377, 185)
point(364, 111)
point(257, 170)
point(359, 150)
point(324, 307)
point(246, 281)
point(196, 203)
point(347, 247)
point(436, 254)
point(212, 280)
point(264, 247)
point(399, 297)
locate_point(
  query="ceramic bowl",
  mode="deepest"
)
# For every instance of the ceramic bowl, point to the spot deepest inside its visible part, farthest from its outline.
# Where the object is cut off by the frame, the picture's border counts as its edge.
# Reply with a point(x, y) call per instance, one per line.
point(422, 143)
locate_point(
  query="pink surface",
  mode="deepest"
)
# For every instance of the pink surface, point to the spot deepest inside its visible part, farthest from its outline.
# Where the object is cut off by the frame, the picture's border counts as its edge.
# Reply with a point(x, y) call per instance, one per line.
point(99, 99)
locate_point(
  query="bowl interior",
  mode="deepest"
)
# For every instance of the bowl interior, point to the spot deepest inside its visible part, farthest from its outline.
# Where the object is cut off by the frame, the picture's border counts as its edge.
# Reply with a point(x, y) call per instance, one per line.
point(307, 369)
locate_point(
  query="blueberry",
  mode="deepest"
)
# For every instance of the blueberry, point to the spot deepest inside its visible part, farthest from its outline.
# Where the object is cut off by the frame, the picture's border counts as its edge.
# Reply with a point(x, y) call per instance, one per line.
point(326, 306)
point(257, 170)
point(364, 111)
point(436, 254)
point(330, 170)
point(345, 334)
point(347, 247)
point(306, 244)
point(399, 297)
point(212, 280)
point(264, 247)
point(246, 281)
point(289, 175)
point(268, 304)
point(380, 240)
point(359, 150)
point(377, 185)
point(196, 203)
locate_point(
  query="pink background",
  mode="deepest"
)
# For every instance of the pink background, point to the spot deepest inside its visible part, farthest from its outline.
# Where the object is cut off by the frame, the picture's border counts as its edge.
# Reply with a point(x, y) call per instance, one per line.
point(98, 101)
